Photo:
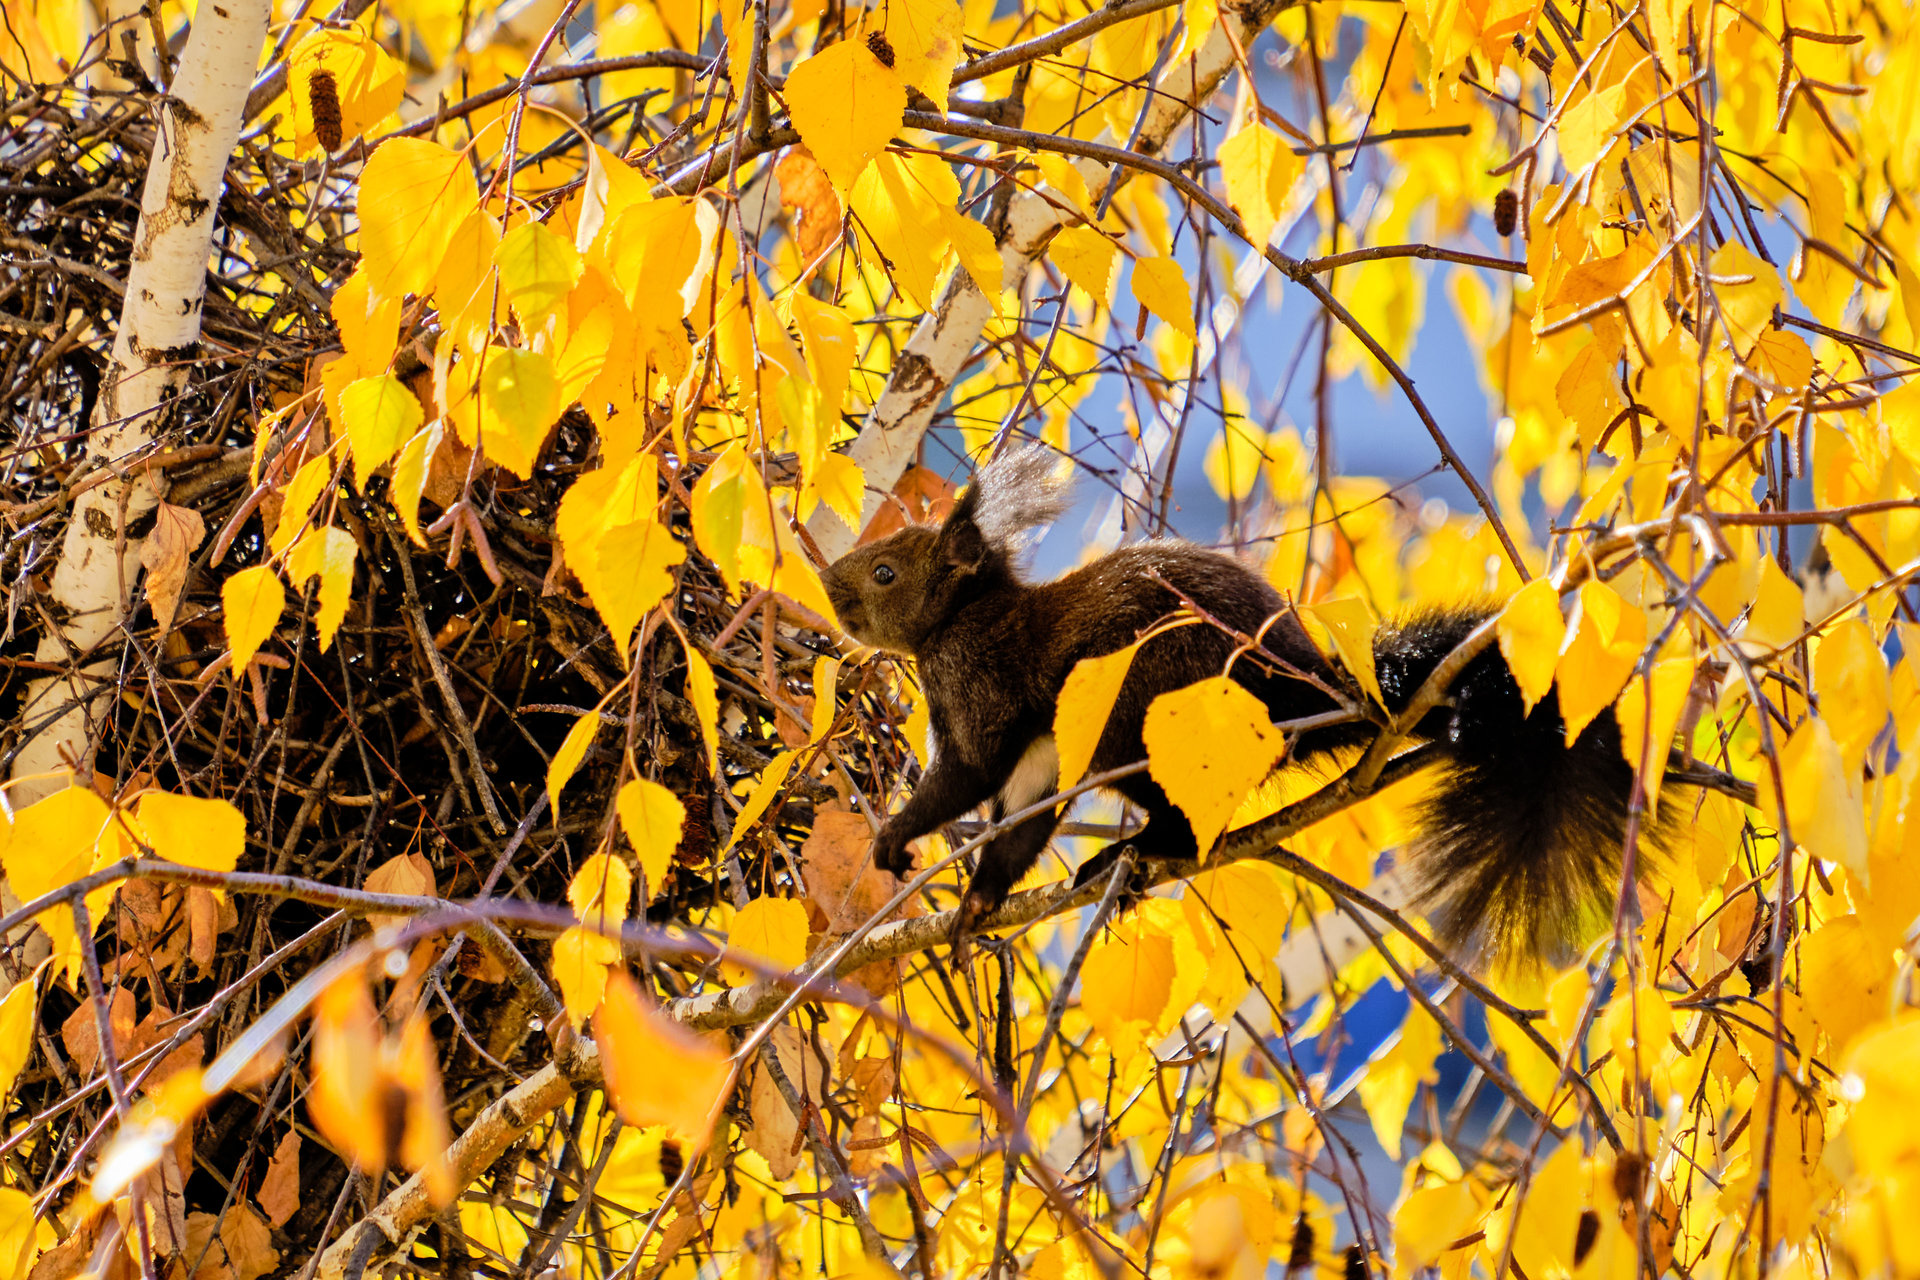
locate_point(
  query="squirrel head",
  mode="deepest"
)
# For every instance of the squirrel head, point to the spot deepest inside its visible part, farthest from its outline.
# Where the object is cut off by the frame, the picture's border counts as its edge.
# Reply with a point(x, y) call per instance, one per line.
point(895, 593)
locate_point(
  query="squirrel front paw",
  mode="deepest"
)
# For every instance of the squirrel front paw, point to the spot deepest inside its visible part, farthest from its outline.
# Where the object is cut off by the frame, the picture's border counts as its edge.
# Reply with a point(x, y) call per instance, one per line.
point(890, 853)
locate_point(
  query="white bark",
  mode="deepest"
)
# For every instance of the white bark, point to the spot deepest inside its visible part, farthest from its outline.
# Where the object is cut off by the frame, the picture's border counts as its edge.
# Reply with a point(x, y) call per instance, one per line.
point(158, 337)
point(948, 335)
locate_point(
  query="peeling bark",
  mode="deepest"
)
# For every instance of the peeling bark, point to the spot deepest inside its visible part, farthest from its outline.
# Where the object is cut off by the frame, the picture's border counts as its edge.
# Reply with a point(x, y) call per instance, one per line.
point(949, 334)
point(158, 337)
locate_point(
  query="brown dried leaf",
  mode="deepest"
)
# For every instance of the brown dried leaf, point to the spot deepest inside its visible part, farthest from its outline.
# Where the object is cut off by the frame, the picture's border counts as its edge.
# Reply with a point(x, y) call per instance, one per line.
point(808, 194)
point(203, 926)
point(250, 1251)
point(841, 877)
point(177, 531)
point(921, 496)
point(866, 1151)
point(407, 874)
point(156, 1028)
point(202, 1243)
point(81, 1033)
point(279, 1192)
point(776, 1130)
point(70, 1257)
point(872, 1079)
point(447, 472)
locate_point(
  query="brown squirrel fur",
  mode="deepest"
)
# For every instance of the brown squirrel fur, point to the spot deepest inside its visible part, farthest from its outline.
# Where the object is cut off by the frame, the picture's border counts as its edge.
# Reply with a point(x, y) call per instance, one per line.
point(1520, 843)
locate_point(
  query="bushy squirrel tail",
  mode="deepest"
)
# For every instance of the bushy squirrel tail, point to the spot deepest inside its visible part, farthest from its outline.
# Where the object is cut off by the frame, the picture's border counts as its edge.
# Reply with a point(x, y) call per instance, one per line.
point(1522, 836)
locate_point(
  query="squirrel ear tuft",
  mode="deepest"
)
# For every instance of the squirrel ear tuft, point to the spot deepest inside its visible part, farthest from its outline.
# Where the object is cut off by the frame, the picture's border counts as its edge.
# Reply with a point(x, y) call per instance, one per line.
point(962, 544)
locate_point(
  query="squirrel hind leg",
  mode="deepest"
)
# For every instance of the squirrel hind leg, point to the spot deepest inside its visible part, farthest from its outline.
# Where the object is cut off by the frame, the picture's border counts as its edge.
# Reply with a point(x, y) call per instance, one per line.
point(1166, 835)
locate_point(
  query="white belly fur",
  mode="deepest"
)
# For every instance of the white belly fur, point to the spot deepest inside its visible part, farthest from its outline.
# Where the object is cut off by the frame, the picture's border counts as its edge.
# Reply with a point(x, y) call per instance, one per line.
point(1033, 778)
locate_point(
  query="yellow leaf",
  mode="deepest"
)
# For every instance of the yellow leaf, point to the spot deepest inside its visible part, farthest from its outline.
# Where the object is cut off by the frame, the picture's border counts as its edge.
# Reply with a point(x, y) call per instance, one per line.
point(327, 554)
point(636, 562)
point(897, 204)
point(657, 253)
point(369, 324)
point(1086, 700)
point(466, 287)
point(719, 510)
point(1208, 745)
point(1845, 974)
point(368, 86)
point(1587, 128)
point(925, 37)
point(705, 697)
point(838, 481)
point(253, 599)
point(653, 818)
point(1856, 694)
point(1161, 287)
point(630, 29)
point(410, 477)
point(1428, 1220)
point(581, 959)
point(1233, 459)
point(1589, 394)
point(1603, 643)
point(1259, 169)
point(977, 251)
point(378, 413)
point(1087, 258)
point(308, 483)
point(1779, 612)
point(413, 193)
point(194, 832)
point(1638, 1027)
point(763, 792)
point(658, 1072)
point(351, 1070)
point(1531, 633)
point(1748, 290)
point(16, 1031)
point(612, 186)
point(568, 757)
point(1653, 733)
point(826, 672)
point(599, 501)
point(1350, 626)
point(538, 269)
point(1201, 17)
point(601, 892)
point(21, 1229)
point(519, 402)
point(845, 105)
point(826, 333)
point(1125, 984)
point(1822, 800)
point(770, 930)
point(1395, 1074)
point(50, 844)
point(1243, 911)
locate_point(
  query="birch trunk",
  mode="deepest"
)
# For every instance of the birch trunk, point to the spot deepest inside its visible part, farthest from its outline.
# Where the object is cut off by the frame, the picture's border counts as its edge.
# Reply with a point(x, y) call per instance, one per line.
point(946, 338)
point(157, 340)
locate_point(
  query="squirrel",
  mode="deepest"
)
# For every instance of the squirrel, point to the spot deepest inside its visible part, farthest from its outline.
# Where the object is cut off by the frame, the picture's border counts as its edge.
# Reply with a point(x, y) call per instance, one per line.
point(1520, 843)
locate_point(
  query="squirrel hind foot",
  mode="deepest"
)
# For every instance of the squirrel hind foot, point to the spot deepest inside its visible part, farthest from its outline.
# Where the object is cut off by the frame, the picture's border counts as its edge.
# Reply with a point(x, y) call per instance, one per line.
point(971, 914)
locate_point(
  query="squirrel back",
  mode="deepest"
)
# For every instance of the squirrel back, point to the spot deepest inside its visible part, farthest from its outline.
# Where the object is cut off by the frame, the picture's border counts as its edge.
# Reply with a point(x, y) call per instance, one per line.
point(1521, 837)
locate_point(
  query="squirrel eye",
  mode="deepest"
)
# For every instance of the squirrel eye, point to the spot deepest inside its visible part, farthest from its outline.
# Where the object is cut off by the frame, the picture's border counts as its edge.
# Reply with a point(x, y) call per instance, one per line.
point(883, 575)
